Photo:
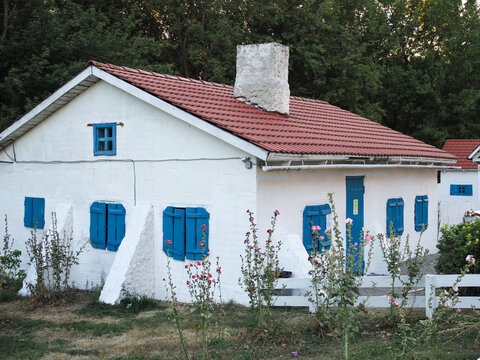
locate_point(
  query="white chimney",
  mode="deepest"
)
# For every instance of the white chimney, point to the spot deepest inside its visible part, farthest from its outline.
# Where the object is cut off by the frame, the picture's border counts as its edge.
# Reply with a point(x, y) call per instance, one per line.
point(262, 76)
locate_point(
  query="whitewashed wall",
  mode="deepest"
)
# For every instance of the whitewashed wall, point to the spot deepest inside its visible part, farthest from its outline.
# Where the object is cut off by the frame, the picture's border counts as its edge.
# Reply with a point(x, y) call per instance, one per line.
point(459, 177)
point(291, 191)
point(224, 187)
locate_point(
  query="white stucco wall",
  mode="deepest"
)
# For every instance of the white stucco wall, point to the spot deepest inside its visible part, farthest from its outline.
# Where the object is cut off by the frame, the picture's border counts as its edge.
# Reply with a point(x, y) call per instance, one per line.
point(459, 177)
point(291, 191)
point(223, 186)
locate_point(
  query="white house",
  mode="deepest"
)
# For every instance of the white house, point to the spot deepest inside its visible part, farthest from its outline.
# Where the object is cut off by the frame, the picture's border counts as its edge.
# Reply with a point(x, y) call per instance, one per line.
point(128, 158)
point(459, 185)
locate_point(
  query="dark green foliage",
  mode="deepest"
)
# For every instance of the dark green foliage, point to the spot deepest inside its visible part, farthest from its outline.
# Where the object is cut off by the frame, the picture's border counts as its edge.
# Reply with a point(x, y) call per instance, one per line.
point(456, 243)
point(411, 65)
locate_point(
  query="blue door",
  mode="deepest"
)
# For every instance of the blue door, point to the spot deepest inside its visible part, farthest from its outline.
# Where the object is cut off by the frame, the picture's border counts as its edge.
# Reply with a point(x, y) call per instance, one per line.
point(355, 191)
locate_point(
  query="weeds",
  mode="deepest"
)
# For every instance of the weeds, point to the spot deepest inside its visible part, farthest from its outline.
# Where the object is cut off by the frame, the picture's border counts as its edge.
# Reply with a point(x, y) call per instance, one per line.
point(11, 275)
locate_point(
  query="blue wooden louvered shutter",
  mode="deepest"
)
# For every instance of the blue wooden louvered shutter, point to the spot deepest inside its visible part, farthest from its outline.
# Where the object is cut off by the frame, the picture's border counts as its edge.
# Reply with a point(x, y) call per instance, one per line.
point(115, 226)
point(98, 225)
point(28, 217)
point(311, 216)
point(174, 230)
point(195, 218)
point(421, 212)
point(38, 214)
point(395, 216)
point(324, 211)
point(399, 217)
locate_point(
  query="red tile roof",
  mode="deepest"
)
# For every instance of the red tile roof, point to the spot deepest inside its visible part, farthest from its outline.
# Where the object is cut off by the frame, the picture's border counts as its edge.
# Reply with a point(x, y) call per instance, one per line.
point(312, 127)
point(462, 148)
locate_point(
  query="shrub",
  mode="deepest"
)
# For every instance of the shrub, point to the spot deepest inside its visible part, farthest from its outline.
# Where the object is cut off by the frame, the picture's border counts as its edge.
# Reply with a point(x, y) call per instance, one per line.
point(11, 276)
point(53, 258)
point(456, 242)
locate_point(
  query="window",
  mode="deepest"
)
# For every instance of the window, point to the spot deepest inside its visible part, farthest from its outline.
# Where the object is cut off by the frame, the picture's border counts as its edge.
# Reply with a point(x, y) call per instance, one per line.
point(105, 139)
point(315, 215)
point(34, 213)
point(107, 225)
point(421, 212)
point(183, 227)
point(395, 216)
point(461, 190)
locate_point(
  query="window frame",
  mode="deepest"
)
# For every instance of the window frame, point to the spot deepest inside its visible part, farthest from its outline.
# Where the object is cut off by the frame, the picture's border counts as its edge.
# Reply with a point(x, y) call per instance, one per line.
point(106, 139)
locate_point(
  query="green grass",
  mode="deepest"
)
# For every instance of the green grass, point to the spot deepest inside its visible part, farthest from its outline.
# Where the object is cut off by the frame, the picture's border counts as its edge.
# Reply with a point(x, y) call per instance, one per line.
point(98, 331)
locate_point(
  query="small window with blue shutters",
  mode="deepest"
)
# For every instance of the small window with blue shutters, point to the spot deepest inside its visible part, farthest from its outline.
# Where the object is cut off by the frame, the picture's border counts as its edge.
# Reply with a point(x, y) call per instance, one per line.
point(107, 225)
point(105, 139)
point(34, 213)
point(395, 216)
point(315, 215)
point(182, 232)
point(461, 190)
point(421, 212)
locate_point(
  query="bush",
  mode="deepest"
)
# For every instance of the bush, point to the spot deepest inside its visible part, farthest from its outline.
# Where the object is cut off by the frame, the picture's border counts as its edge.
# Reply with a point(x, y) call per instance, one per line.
point(11, 275)
point(456, 242)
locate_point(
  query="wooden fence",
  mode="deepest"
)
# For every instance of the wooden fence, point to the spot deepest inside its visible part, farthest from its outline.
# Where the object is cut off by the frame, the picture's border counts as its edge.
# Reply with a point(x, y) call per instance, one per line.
point(424, 294)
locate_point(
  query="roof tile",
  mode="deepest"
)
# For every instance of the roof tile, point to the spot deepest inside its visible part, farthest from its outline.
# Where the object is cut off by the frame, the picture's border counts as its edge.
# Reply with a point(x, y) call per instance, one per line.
point(462, 148)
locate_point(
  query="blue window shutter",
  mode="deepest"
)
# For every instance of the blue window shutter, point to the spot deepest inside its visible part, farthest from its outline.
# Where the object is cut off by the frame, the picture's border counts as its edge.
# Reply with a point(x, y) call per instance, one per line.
point(168, 230)
point(309, 214)
point(195, 218)
point(28, 216)
point(116, 226)
point(421, 212)
point(38, 217)
point(468, 190)
point(324, 211)
point(399, 227)
point(390, 216)
point(178, 251)
point(395, 216)
point(98, 225)
point(453, 189)
point(425, 211)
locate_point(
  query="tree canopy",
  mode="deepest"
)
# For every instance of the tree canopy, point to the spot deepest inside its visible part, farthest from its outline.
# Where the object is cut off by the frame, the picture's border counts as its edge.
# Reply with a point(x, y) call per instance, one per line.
point(409, 64)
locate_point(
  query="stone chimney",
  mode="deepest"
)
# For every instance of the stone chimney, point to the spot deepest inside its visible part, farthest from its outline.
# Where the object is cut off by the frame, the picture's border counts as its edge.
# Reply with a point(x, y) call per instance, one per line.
point(262, 76)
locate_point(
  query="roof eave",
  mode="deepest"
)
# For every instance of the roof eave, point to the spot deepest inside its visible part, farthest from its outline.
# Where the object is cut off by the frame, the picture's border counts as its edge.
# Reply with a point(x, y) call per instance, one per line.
point(475, 155)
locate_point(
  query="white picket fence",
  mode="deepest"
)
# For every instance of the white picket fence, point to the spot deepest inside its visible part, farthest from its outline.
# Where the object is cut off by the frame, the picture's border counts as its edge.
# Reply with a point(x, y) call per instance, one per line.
point(296, 288)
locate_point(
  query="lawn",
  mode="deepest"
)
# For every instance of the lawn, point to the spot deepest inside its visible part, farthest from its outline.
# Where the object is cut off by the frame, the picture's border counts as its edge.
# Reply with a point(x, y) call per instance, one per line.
point(143, 329)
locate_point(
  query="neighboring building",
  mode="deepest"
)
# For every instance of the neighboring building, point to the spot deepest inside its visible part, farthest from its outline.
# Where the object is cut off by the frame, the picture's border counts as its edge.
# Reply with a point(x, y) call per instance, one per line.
point(128, 159)
point(460, 184)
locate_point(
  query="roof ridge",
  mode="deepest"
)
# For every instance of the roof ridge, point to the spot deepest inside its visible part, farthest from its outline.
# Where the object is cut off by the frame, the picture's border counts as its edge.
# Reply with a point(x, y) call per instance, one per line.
point(301, 98)
point(153, 73)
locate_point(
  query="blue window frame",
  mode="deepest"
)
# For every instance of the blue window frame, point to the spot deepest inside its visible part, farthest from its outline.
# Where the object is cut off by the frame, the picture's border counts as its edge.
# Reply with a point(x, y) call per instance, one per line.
point(34, 213)
point(107, 225)
point(461, 190)
point(182, 226)
point(395, 216)
point(315, 215)
point(421, 212)
point(105, 139)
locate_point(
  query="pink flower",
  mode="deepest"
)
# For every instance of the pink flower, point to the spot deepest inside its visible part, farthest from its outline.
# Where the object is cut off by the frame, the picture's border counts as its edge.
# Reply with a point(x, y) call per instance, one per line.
point(455, 287)
point(209, 281)
point(199, 263)
point(349, 221)
point(321, 238)
point(446, 304)
point(163, 279)
point(209, 275)
point(247, 233)
point(191, 265)
point(356, 244)
point(276, 212)
point(368, 237)
point(398, 304)
point(327, 231)
point(193, 276)
point(309, 258)
point(294, 353)
point(389, 298)
point(222, 310)
point(269, 231)
point(202, 244)
point(251, 218)
point(188, 282)
point(186, 266)
point(245, 241)
point(335, 253)
point(219, 270)
point(168, 242)
point(446, 292)
point(470, 259)
point(180, 305)
point(248, 211)
point(202, 226)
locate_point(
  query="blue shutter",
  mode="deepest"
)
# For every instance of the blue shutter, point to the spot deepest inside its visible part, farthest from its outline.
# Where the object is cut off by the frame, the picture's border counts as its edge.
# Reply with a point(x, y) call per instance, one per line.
point(395, 216)
point(28, 217)
point(98, 225)
point(310, 215)
point(116, 226)
point(468, 190)
point(195, 218)
point(174, 229)
point(421, 212)
point(38, 217)
point(324, 211)
point(168, 230)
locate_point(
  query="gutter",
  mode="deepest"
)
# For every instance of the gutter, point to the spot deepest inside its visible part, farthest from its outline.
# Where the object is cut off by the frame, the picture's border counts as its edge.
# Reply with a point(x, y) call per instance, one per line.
point(352, 166)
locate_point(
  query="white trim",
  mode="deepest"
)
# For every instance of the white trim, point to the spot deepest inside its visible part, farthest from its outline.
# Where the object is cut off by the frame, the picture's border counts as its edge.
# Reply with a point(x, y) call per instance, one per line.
point(182, 115)
point(474, 153)
point(37, 110)
point(349, 166)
